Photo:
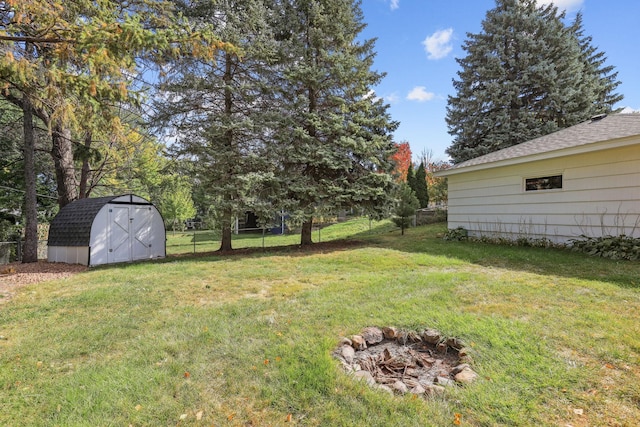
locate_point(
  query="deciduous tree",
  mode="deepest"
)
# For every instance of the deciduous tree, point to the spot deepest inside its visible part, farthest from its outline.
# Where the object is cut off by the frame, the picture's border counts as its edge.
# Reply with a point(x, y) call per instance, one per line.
point(402, 160)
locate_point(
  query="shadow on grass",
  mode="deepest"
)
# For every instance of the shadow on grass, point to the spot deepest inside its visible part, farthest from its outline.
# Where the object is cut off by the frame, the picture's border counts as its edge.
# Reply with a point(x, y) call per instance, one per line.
point(428, 240)
point(548, 261)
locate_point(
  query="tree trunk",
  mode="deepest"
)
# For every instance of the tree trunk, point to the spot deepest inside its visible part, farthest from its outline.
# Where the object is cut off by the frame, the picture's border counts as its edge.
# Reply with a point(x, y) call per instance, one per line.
point(305, 233)
point(30, 249)
point(85, 173)
point(62, 153)
point(225, 244)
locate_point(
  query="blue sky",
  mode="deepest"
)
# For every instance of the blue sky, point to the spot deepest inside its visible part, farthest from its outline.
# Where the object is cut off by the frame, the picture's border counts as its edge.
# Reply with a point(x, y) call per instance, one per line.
point(418, 41)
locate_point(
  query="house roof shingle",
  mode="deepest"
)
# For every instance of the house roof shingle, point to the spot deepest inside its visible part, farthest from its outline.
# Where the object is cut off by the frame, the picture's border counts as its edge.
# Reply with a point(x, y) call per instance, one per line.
point(598, 129)
point(72, 225)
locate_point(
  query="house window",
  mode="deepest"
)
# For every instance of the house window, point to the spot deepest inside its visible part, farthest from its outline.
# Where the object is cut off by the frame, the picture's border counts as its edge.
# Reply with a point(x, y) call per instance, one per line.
point(543, 183)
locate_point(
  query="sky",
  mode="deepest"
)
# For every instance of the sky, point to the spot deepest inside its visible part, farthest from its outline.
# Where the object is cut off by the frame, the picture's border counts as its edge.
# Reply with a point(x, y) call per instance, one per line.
point(418, 41)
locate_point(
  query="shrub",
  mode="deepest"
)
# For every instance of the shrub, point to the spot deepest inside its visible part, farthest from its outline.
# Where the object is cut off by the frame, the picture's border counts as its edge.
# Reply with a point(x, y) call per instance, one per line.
point(457, 234)
point(614, 247)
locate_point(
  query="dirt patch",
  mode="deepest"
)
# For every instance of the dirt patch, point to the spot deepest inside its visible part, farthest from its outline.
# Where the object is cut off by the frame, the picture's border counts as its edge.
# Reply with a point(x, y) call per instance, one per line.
point(15, 275)
point(397, 361)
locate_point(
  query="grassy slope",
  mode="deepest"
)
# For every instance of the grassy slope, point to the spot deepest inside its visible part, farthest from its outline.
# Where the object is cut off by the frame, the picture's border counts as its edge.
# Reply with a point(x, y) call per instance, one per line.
point(246, 339)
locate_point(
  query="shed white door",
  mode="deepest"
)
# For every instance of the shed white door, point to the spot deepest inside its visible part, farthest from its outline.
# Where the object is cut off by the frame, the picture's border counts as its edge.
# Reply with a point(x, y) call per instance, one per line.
point(129, 232)
point(119, 234)
point(140, 242)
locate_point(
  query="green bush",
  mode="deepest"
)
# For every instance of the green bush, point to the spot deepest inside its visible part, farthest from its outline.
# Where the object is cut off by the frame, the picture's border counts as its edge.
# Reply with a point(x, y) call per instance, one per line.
point(614, 247)
point(457, 234)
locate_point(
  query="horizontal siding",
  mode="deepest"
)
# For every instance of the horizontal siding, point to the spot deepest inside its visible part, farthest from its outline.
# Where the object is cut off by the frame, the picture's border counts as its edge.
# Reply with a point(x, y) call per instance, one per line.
point(600, 195)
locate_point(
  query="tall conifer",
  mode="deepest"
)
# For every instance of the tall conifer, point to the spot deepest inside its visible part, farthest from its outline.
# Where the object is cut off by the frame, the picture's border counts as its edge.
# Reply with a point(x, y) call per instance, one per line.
point(525, 75)
point(334, 137)
point(219, 108)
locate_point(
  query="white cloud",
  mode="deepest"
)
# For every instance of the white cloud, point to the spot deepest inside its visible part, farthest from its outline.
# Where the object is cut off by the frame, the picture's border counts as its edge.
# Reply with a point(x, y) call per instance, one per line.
point(629, 110)
point(395, 4)
point(392, 99)
point(420, 94)
point(568, 5)
point(438, 44)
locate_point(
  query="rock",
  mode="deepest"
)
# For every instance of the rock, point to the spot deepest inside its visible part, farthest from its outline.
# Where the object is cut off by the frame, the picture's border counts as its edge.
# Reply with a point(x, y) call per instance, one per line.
point(401, 337)
point(348, 353)
point(414, 337)
point(400, 387)
point(365, 376)
point(418, 390)
point(466, 376)
point(431, 336)
point(455, 343)
point(459, 368)
point(384, 388)
point(390, 332)
point(358, 342)
point(372, 335)
point(445, 382)
point(442, 348)
point(434, 390)
point(345, 341)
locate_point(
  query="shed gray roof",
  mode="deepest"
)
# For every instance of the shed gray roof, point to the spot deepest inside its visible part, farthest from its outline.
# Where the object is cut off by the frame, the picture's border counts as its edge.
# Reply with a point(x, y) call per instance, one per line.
point(610, 127)
point(72, 225)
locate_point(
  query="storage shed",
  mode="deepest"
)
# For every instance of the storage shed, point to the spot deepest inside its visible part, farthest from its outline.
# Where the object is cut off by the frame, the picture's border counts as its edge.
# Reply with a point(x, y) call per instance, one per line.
point(582, 180)
point(106, 230)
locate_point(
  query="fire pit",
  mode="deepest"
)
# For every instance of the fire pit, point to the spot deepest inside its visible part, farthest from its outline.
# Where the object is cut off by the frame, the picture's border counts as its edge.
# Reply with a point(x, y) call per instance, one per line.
point(398, 361)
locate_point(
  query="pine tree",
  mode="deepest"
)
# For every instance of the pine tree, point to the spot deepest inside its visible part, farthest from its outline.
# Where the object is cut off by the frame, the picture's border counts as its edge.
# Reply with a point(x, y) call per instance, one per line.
point(421, 189)
point(334, 141)
point(604, 75)
point(411, 177)
point(525, 75)
point(406, 206)
point(220, 108)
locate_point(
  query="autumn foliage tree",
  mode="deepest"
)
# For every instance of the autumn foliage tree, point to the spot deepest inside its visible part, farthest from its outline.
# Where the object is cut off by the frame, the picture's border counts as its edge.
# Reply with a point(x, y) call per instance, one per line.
point(68, 63)
point(402, 160)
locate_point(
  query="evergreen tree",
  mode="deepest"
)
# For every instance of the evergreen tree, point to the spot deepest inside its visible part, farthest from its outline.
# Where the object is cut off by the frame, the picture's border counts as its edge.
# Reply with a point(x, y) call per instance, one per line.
point(406, 206)
point(334, 144)
point(605, 78)
point(411, 177)
point(525, 75)
point(421, 189)
point(220, 108)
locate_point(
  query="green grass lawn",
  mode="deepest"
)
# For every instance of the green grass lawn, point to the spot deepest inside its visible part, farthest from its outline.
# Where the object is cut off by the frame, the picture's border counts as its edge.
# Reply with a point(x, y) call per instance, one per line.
point(245, 339)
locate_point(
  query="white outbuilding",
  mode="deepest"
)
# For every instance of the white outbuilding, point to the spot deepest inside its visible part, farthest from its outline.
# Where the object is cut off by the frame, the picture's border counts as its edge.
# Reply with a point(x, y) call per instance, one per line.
point(582, 180)
point(107, 230)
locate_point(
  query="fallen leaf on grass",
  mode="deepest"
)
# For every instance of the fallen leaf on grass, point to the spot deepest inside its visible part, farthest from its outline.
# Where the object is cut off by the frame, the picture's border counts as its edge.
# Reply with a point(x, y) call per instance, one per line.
point(183, 416)
point(578, 411)
point(230, 417)
point(187, 375)
point(457, 419)
point(288, 419)
point(609, 366)
point(138, 407)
